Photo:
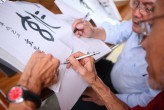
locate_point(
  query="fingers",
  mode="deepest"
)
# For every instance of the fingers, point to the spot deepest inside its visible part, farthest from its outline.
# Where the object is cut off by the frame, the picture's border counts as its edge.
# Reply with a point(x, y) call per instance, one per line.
point(75, 23)
point(33, 58)
point(81, 27)
point(43, 67)
point(55, 63)
point(52, 79)
point(88, 99)
point(36, 56)
point(50, 74)
point(74, 55)
point(80, 30)
point(55, 78)
point(41, 71)
point(82, 62)
point(78, 66)
point(48, 61)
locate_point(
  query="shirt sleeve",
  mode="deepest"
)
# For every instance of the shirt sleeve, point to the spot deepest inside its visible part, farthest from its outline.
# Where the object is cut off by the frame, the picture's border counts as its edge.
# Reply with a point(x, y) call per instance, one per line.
point(141, 99)
point(117, 33)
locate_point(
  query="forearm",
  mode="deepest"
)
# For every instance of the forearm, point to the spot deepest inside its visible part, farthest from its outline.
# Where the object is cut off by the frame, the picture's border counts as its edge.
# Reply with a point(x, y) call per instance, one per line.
point(99, 33)
point(109, 99)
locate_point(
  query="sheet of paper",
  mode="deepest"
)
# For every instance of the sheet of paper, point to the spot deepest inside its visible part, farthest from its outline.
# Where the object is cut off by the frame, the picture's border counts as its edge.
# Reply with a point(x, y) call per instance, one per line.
point(69, 10)
point(31, 35)
point(110, 8)
point(74, 90)
point(97, 12)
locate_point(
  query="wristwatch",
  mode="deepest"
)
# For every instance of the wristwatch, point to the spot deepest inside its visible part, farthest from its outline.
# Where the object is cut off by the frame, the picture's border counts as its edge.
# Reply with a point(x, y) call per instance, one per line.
point(19, 94)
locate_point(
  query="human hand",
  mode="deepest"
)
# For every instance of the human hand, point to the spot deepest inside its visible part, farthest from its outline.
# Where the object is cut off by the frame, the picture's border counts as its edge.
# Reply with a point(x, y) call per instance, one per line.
point(40, 71)
point(92, 96)
point(85, 28)
point(85, 67)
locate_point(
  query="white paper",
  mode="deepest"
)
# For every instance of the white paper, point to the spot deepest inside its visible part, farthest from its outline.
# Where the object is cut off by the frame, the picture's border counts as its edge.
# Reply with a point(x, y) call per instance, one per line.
point(29, 41)
point(68, 92)
point(110, 8)
point(97, 12)
point(69, 10)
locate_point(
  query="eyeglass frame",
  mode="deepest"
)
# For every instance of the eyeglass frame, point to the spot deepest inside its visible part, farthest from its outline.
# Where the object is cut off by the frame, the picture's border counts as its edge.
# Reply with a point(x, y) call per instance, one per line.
point(141, 8)
point(151, 19)
point(145, 29)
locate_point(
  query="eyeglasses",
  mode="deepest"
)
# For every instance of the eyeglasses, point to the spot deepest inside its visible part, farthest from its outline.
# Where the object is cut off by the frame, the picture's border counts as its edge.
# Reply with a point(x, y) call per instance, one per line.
point(145, 27)
point(144, 9)
point(145, 30)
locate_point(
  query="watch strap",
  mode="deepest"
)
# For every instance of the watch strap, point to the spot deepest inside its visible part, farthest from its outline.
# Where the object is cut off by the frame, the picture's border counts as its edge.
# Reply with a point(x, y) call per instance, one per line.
point(28, 95)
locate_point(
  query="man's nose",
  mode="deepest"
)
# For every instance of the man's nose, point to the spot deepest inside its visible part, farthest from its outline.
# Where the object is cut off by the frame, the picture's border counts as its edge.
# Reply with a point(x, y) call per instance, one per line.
point(137, 13)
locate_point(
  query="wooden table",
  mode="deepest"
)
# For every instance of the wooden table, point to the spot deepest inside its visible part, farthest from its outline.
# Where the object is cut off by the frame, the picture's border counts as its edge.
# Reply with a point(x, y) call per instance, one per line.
point(8, 82)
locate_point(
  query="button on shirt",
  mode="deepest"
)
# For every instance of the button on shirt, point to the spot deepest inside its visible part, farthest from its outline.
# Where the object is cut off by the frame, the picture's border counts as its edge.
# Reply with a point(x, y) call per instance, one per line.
point(129, 75)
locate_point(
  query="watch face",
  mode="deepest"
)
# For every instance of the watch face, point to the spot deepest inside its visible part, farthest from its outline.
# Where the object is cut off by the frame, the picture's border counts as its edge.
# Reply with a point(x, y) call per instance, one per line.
point(15, 94)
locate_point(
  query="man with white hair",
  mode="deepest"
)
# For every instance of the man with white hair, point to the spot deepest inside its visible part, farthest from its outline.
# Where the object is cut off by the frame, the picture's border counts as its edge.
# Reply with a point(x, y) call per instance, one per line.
point(153, 45)
point(128, 77)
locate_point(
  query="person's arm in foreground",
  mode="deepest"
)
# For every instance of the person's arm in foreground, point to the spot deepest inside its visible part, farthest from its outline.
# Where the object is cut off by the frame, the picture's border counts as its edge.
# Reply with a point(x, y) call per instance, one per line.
point(41, 71)
point(86, 69)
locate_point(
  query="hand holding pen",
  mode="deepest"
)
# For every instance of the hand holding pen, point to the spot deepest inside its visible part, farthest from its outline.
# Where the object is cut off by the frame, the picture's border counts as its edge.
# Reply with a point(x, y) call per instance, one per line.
point(85, 17)
point(85, 67)
point(82, 27)
point(84, 56)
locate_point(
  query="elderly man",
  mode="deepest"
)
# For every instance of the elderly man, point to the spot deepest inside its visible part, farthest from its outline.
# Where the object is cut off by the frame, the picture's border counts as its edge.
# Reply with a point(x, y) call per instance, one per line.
point(128, 77)
point(155, 54)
